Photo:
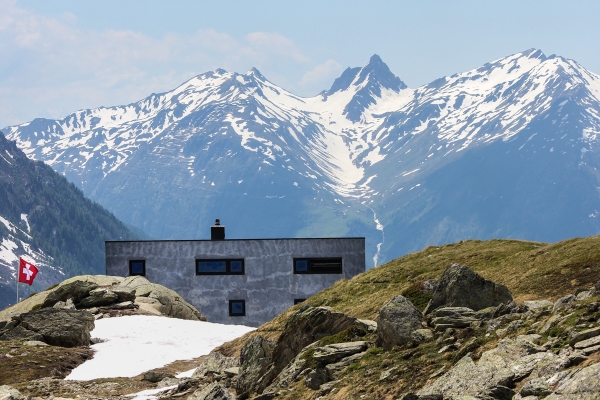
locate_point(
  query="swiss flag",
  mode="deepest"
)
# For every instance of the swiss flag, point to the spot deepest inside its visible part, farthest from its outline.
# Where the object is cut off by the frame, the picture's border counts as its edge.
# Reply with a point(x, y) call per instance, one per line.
point(27, 272)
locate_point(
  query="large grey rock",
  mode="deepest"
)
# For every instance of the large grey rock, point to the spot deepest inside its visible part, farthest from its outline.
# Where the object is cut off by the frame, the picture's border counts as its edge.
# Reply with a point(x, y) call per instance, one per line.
point(98, 297)
point(255, 358)
point(305, 326)
point(582, 384)
point(459, 286)
point(215, 363)
point(168, 302)
point(454, 317)
point(9, 393)
point(537, 304)
point(563, 303)
point(335, 352)
point(293, 371)
point(124, 293)
point(396, 321)
point(214, 391)
point(584, 335)
point(66, 328)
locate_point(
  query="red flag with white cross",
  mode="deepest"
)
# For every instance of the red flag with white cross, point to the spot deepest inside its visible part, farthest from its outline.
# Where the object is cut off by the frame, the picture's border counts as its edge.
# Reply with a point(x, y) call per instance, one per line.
point(27, 272)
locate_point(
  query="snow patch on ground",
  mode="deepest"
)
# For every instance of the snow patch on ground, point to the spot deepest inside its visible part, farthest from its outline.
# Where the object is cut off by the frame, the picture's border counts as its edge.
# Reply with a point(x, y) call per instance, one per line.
point(138, 343)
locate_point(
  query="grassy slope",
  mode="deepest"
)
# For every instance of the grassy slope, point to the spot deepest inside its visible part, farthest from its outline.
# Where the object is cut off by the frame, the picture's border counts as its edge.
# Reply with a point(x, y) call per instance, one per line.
point(531, 270)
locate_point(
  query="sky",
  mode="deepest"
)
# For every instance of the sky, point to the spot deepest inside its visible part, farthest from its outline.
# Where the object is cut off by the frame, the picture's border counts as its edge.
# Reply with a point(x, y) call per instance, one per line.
point(63, 55)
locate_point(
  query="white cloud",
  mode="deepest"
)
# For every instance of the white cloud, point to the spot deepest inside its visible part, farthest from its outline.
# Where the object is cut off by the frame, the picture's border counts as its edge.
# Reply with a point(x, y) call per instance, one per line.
point(51, 66)
point(321, 73)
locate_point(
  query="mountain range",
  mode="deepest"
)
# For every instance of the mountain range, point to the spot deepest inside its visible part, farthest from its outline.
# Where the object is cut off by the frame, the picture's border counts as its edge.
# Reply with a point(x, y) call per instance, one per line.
point(508, 150)
point(48, 221)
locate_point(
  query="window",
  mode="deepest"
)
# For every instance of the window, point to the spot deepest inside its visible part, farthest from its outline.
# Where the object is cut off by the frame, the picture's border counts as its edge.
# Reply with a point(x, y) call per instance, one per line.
point(237, 308)
point(137, 267)
point(318, 265)
point(220, 267)
point(298, 301)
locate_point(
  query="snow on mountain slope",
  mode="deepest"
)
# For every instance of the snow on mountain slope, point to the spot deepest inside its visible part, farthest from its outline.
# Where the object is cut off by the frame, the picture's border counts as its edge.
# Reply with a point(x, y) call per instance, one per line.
point(348, 154)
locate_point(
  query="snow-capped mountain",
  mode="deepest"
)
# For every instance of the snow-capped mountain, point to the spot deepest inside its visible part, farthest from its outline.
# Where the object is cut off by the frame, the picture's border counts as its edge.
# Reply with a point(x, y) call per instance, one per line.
point(508, 149)
point(47, 221)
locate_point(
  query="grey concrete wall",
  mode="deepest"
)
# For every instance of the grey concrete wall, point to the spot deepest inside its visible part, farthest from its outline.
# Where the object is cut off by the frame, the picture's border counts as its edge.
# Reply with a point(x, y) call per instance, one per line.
point(269, 284)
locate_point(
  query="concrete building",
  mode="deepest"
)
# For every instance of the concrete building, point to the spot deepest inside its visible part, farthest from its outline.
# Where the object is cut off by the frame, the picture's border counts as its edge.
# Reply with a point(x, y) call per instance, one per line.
point(240, 281)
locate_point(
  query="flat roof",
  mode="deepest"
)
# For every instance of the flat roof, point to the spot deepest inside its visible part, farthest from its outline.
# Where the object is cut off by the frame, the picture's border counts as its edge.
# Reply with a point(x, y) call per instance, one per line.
point(226, 240)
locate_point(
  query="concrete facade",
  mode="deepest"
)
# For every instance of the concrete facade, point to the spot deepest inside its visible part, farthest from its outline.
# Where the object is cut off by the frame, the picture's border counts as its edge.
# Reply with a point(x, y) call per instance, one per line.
point(269, 285)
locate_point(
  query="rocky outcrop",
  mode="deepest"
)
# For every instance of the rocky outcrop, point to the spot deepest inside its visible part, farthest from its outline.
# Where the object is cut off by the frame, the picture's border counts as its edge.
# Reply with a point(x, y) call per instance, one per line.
point(255, 358)
point(214, 391)
point(105, 294)
point(65, 328)
point(396, 322)
point(459, 286)
point(9, 393)
point(215, 364)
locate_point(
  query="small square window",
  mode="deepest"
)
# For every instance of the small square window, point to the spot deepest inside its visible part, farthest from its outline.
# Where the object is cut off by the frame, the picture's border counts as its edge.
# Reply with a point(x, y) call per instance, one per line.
point(220, 267)
point(298, 301)
point(237, 308)
point(137, 267)
point(318, 265)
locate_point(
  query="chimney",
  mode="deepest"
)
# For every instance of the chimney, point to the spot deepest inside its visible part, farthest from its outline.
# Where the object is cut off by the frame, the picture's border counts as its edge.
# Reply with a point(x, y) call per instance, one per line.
point(217, 232)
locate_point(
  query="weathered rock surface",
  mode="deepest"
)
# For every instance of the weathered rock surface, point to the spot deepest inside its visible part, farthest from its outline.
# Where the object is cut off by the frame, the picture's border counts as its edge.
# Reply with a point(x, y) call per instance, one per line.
point(169, 302)
point(581, 384)
point(9, 393)
point(255, 358)
point(215, 363)
point(459, 286)
point(396, 322)
point(214, 391)
point(454, 317)
point(66, 328)
point(97, 298)
point(335, 352)
point(584, 335)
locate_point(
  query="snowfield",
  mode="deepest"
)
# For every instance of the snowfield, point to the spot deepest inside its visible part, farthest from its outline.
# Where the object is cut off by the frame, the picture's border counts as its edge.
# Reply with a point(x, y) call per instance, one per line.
point(135, 344)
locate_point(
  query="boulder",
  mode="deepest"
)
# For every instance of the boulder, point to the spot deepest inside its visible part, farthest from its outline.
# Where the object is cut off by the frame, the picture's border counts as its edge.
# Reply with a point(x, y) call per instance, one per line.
point(305, 326)
point(537, 304)
point(215, 363)
point(168, 302)
point(583, 383)
point(454, 317)
point(255, 358)
point(335, 352)
point(459, 286)
point(584, 335)
point(396, 321)
point(124, 293)
point(214, 391)
point(65, 328)
point(154, 377)
point(9, 393)
point(294, 370)
point(316, 377)
point(98, 297)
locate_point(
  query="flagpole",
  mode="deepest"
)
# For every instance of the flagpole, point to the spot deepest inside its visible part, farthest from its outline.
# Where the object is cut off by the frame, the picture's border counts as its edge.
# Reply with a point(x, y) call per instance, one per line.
point(17, 279)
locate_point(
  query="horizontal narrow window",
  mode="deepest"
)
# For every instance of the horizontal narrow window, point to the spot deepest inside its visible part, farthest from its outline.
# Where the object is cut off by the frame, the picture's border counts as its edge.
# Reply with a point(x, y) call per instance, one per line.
point(220, 267)
point(237, 308)
point(298, 301)
point(318, 265)
point(137, 267)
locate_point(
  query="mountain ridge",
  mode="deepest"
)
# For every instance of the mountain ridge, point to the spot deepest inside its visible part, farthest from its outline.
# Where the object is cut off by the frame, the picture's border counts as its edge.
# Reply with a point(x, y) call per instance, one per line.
point(353, 160)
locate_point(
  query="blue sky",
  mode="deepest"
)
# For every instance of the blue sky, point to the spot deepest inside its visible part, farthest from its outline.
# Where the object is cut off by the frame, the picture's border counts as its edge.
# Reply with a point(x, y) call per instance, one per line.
point(62, 55)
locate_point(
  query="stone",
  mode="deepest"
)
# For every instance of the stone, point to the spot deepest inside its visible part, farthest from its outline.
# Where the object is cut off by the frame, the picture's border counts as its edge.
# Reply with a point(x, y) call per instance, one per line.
point(459, 286)
point(65, 328)
point(294, 371)
point(74, 290)
point(594, 341)
point(305, 326)
point(124, 293)
point(538, 304)
point(68, 305)
point(336, 368)
point(369, 325)
point(9, 393)
point(214, 364)
point(231, 372)
point(98, 297)
point(535, 387)
point(35, 343)
point(562, 303)
point(588, 333)
point(582, 383)
point(214, 391)
point(255, 358)
point(168, 302)
point(154, 377)
point(126, 305)
point(335, 352)
point(20, 333)
point(421, 335)
point(396, 321)
point(467, 378)
point(586, 294)
point(316, 377)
